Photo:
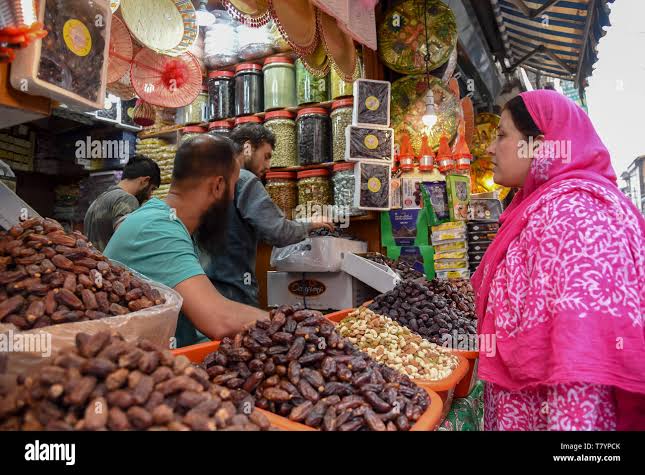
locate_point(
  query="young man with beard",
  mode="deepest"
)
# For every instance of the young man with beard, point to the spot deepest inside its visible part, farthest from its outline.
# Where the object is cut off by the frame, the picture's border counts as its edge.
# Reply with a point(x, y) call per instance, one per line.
point(252, 217)
point(157, 239)
point(141, 177)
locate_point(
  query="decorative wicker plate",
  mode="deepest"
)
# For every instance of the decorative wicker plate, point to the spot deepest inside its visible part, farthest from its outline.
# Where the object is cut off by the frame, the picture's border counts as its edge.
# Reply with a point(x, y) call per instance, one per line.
point(296, 20)
point(408, 107)
point(114, 5)
point(121, 50)
point(338, 45)
point(401, 36)
point(254, 13)
point(166, 26)
point(485, 130)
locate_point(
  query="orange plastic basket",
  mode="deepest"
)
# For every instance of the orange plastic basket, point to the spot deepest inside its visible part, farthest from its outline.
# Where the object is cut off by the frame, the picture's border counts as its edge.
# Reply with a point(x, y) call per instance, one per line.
point(197, 353)
point(468, 382)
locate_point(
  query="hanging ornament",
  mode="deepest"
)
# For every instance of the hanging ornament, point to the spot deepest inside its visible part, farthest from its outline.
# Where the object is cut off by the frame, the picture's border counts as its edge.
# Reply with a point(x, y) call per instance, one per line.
point(144, 114)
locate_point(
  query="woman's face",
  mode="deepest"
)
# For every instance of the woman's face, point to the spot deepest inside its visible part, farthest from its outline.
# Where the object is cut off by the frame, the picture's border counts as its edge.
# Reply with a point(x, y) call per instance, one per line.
point(510, 160)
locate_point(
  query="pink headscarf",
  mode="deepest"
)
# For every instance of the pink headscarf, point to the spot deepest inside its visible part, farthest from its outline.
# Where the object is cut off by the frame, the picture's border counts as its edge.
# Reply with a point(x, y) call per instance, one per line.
point(567, 336)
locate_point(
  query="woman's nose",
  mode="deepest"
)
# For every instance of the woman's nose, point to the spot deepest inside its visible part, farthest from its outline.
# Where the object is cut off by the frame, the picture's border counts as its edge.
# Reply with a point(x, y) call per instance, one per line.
point(491, 148)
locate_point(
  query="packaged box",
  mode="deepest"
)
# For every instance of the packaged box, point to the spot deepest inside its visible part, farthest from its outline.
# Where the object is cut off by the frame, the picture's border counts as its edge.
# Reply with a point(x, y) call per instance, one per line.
point(377, 276)
point(315, 254)
point(439, 256)
point(475, 257)
point(453, 274)
point(458, 188)
point(395, 193)
point(478, 226)
point(438, 198)
point(478, 246)
point(421, 258)
point(371, 102)
point(448, 236)
point(481, 237)
point(411, 196)
point(369, 143)
point(450, 226)
point(372, 190)
point(451, 264)
point(485, 210)
point(404, 227)
point(452, 246)
point(317, 290)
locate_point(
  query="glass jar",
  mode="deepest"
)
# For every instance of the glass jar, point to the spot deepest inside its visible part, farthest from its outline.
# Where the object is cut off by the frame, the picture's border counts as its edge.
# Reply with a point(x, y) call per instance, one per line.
point(344, 183)
point(249, 119)
point(285, 152)
point(190, 132)
point(283, 190)
point(314, 188)
point(195, 112)
point(221, 95)
point(221, 42)
point(341, 117)
point(314, 136)
point(254, 42)
point(248, 89)
point(220, 127)
point(279, 83)
point(309, 87)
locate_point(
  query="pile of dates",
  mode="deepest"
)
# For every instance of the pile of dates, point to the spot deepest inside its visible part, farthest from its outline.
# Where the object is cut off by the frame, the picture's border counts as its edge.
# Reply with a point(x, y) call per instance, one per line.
point(405, 270)
point(106, 383)
point(324, 232)
point(431, 314)
point(458, 292)
point(48, 276)
point(298, 366)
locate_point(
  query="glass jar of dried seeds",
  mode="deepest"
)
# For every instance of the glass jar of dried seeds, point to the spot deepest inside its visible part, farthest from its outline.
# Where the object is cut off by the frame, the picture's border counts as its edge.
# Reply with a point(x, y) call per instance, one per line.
point(190, 132)
point(285, 152)
point(283, 190)
point(309, 87)
point(314, 188)
point(341, 117)
point(279, 83)
point(314, 136)
point(344, 184)
point(220, 127)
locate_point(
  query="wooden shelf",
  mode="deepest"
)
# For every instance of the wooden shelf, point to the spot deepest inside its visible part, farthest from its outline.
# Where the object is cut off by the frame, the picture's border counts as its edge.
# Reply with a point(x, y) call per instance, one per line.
point(169, 131)
point(370, 216)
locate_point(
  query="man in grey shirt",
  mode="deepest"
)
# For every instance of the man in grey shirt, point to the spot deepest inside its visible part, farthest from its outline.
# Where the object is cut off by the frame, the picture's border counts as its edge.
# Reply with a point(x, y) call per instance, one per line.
point(252, 217)
point(141, 177)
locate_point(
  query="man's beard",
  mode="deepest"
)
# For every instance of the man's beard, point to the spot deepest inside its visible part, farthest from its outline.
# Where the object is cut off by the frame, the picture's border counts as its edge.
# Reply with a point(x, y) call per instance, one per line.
point(211, 232)
point(143, 195)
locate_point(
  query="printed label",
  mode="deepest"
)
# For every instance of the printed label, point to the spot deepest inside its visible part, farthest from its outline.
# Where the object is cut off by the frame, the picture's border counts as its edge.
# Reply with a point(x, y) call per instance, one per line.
point(372, 103)
point(77, 37)
point(374, 184)
point(371, 141)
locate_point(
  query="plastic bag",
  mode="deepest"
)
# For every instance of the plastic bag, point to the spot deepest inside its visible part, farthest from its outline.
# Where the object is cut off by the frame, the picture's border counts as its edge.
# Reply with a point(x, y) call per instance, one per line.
point(157, 324)
point(369, 143)
point(221, 42)
point(372, 186)
point(318, 254)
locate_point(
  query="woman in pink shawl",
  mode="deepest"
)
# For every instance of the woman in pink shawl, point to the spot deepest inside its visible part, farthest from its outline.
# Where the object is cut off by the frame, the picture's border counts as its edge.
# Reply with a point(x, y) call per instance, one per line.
point(561, 291)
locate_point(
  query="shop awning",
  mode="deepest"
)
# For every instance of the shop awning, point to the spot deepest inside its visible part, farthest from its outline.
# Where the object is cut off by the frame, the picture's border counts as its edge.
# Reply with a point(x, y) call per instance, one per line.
point(557, 38)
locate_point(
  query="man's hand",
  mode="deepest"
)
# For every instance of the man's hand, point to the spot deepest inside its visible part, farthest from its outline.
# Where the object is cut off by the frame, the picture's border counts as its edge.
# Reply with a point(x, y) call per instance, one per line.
point(318, 223)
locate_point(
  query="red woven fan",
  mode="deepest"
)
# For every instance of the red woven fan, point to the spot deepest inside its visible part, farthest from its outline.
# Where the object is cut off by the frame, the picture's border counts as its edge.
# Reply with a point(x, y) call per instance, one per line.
point(121, 50)
point(166, 81)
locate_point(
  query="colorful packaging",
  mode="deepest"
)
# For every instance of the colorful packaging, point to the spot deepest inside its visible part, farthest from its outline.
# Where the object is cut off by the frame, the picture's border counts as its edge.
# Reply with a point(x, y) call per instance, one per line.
point(458, 188)
point(372, 102)
point(478, 246)
point(453, 274)
point(451, 247)
point(451, 264)
point(438, 198)
point(449, 255)
point(369, 143)
point(411, 196)
point(478, 226)
point(488, 210)
point(420, 258)
point(452, 226)
point(404, 227)
point(372, 186)
point(395, 193)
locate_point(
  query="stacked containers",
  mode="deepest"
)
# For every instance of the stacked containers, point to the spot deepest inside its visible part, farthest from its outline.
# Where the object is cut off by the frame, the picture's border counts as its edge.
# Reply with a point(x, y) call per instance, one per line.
point(221, 95)
point(341, 118)
point(314, 188)
point(249, 119)
point(220, 127)
point(313, 127)
point(283, 190)
point(285, 152)
point(248, 89)
point(279, 83)
point(310, 88)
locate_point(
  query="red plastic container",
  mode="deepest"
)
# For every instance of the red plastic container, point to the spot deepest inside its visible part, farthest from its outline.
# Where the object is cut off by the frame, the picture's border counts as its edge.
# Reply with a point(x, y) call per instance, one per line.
point(468, 382)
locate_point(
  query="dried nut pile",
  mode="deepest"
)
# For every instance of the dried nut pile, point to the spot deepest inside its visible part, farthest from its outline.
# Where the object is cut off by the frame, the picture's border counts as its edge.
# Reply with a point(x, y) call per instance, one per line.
point(48, 276)
point(298, 366)
point(396, 346)
point(432, 315)
point(105, 382)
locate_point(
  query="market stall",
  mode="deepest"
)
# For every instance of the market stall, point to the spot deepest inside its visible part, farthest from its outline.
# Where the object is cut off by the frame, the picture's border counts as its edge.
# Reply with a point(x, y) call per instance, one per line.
point(372, 325)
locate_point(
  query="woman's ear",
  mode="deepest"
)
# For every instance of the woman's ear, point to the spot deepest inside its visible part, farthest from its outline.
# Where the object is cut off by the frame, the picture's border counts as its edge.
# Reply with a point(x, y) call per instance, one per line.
point(537, 142)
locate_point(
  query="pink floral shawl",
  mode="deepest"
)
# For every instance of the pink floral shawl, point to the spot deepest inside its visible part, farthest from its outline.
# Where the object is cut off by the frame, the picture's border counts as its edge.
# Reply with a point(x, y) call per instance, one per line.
point(582, 282)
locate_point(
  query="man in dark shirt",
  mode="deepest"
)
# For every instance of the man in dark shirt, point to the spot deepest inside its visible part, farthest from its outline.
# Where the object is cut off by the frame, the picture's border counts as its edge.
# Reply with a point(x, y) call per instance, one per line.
point(252, 217)
point(141, 177)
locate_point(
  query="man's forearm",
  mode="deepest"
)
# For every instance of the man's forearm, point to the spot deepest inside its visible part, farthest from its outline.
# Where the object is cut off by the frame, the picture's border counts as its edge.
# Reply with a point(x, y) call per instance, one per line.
point(233, 317)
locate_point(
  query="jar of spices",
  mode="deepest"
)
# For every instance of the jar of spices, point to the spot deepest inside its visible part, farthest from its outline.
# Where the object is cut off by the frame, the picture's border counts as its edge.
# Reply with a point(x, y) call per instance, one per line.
point(283, 190)
point(249, 119)
point(309, 87)
point(314, 136)
point(344, 183)
point(248, 89)
point(285, 152)
point(221, 95)
point(220, 127)
point(314, 188)
point(195, 112)
point(339, 87)
point(341, 118)
point(279, 83)
point(190, 132)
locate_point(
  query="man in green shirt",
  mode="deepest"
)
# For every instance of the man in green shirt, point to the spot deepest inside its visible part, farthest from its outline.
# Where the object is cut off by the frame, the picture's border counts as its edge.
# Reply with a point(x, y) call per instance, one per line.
point(141, 177)
point(157, 239)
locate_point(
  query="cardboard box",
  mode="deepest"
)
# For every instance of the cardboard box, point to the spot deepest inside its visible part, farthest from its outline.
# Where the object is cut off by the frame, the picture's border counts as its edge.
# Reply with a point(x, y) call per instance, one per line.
point(317, 290)
point(411, 197)
point(377, 276)
point(458, 187)
point(316, 254)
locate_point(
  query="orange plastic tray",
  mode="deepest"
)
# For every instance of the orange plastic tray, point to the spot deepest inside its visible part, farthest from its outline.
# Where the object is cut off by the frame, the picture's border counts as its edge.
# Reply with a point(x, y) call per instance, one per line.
point(197, 353)
point(466, 384)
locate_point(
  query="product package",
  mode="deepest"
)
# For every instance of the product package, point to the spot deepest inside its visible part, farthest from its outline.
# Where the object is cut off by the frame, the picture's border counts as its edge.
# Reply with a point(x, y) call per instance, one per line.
point(448, 232)
point(404, 227)
point(395, 193)
point(372, 186)
point(421, 258)
point(372, 102)
point(481, 237)
point(453, 274)
point(478, 246)
point(458, 189)
point(450, 264)
point(438, 198)
point(456, 246)
point(479, 226)
point(369, 143)
point(411, 194)
point(488, 210)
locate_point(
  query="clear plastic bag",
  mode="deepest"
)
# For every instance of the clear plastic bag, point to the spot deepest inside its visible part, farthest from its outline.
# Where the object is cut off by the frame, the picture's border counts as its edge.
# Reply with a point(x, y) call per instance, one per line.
point(254, 42)
point(221, 42)
point(318, 254)
point(372, 102)
point(368, 143)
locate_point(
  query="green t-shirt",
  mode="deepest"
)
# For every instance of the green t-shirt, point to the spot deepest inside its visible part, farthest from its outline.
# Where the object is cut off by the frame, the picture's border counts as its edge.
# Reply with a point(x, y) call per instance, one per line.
point(155, 243)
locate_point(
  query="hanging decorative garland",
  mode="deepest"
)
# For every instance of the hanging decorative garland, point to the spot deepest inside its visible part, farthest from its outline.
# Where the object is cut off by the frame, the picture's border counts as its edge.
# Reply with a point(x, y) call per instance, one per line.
point(254, 13)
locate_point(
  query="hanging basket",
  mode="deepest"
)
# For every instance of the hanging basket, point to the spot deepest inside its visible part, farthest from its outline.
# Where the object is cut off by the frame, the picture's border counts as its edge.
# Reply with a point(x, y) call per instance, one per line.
point(297, 23)
point(338, 45)
point(254, 13)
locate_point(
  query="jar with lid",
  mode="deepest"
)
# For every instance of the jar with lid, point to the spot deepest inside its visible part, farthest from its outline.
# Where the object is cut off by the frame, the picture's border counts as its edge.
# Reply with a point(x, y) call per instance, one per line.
point(314, 188)
point(283, 190)
point(341, 117)
point(220, 127)
point(249, 119)
point(344, 183)
point(314, 136)
point(309, 87)
point(248, 89)
point(195, 112)
point(285, 152)
point(279, 83)
point(190, 132)
point(341, 88)
point(221, 95)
